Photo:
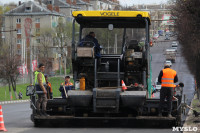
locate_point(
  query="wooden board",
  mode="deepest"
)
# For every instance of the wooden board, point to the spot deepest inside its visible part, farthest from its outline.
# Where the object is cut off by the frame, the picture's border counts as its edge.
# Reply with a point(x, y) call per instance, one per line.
point(85, 52)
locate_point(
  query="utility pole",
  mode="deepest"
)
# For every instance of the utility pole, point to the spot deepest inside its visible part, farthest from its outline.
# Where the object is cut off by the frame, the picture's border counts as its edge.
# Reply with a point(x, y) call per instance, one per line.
point(65, 64)
point(22, 57)
point(31, 73)
point(63, 54)
point(59, 63)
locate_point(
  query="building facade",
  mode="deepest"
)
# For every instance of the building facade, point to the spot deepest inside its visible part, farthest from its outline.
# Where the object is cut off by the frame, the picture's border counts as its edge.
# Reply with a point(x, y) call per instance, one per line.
point(158, 14)
point(29, 19)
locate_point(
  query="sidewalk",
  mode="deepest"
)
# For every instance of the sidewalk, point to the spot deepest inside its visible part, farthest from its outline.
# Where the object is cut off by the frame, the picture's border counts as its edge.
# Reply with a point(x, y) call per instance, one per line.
point(14, 101)
point(191, 120)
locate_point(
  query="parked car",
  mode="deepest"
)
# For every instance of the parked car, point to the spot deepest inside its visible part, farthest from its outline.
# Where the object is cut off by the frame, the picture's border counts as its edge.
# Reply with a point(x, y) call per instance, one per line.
point(167, 37)
point(156, 36)
point(168, 62)
point(174, 45)
point(160, 32)
point(174, 48)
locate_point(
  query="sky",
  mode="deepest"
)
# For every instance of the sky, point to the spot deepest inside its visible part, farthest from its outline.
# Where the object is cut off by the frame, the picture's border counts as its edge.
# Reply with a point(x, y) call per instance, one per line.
point(123, 2)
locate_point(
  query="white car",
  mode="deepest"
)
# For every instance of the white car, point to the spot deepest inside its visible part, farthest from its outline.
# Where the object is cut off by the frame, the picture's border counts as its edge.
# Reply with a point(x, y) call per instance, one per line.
point(158, 85)
point(174, 48)
point(174, 44)
point(168, 62)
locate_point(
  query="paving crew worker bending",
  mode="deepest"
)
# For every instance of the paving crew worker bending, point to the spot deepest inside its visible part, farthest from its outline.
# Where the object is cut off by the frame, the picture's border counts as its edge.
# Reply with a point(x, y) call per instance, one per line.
point(167, 78)
point(40, 84)
point(64, 87)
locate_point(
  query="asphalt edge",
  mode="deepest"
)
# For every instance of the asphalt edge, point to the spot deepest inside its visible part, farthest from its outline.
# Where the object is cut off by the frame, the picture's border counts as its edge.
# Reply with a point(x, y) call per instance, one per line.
point(14, 101)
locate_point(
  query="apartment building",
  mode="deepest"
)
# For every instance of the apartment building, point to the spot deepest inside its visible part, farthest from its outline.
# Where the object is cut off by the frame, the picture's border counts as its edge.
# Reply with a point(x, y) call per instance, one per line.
point(66, 7)
point(105, 4)
point(29, 18)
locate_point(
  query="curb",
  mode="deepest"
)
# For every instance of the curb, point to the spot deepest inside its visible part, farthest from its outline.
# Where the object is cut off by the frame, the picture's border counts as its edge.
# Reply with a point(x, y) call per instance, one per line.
point(189, 114)
point(15, 101)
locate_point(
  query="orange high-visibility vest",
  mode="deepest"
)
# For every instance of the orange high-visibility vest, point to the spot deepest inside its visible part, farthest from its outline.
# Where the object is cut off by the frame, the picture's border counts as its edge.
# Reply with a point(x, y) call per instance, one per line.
point(168, 77)
point(49, 84)
point(68, 84)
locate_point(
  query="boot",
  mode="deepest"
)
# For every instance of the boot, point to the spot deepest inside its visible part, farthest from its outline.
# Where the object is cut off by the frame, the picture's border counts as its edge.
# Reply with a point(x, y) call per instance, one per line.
point(39, 113)
point(44, 113)
point(169, 115)
point(160, 115)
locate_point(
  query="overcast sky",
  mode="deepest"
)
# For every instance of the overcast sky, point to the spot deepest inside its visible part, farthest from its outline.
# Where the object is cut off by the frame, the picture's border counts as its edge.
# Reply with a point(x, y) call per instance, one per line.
point(123, 2)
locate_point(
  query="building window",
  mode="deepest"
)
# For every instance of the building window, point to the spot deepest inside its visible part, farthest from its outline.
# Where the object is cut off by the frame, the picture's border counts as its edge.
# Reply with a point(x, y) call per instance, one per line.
point(18, 20)
point(19, 52)
point(37, 40)
point(37, 20)
point(2, 31)
point(37, 31)
point(19, 31)
point(3, 21)
point(19, 41)
point(49, 2)
point(72, 1)
point(28, 8)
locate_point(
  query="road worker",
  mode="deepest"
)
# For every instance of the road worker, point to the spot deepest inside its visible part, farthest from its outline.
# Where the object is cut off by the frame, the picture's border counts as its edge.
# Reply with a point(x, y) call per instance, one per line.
point(64, 87)
point(40, 84)
point(91, 38)
point(167, 78)
point(49, 88)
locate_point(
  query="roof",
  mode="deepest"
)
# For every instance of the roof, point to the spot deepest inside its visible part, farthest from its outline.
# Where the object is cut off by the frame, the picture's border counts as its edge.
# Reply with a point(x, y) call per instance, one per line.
point(60, 3)
point(147, 6)
point(120, 19)
point(36, 9)
point(113, 3)
point(81, 2)
point(56, 3)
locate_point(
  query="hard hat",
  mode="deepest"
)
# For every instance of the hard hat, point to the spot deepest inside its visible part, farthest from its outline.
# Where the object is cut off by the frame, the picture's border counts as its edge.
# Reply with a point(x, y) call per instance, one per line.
point(167, 65)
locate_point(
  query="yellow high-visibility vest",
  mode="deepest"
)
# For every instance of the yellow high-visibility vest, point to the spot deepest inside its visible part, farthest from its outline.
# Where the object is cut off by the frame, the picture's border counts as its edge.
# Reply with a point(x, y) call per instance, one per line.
point(43, 78)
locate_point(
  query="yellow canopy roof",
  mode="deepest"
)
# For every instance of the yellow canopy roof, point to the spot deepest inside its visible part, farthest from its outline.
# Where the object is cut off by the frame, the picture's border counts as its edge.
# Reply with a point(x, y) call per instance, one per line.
point(111, 14)
point(120, 19)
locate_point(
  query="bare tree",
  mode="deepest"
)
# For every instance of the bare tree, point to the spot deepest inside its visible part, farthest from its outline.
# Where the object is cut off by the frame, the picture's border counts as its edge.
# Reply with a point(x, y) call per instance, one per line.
point(63, 39)
point(187, 25)
point(46, 47)
point(46, 41)
point(9, 70)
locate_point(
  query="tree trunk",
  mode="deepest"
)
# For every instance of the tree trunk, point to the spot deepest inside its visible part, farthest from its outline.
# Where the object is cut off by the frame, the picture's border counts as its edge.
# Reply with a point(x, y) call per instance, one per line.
point(16, 96)
point(10, 90)
point(13, 82)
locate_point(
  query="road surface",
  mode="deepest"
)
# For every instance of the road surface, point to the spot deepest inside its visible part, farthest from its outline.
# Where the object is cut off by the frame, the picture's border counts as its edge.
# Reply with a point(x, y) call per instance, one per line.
point(17, 116)
point(184, 75)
